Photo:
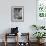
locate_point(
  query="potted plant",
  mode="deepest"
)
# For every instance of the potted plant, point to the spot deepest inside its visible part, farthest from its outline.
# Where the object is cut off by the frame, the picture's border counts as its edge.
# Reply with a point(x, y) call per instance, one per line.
point(39, 35)
point(42, 27)
point(38, 27)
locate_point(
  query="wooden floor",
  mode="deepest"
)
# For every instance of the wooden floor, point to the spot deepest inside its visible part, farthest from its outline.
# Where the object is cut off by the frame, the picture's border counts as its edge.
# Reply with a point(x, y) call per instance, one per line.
point(13, 44)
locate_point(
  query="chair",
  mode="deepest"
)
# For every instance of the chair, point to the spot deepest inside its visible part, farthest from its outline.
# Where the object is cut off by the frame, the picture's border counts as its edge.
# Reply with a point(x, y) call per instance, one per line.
point(7, 35)
point(14, 32)
point(26, 41)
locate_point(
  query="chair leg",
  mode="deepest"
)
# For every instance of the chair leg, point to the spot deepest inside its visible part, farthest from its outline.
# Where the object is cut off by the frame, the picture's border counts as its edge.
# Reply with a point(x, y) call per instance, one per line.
point(5, 40)
point(5, 43)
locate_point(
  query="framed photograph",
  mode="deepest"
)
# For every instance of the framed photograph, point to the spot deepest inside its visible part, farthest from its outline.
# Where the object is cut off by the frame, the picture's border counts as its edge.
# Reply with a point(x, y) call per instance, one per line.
point(17, 13)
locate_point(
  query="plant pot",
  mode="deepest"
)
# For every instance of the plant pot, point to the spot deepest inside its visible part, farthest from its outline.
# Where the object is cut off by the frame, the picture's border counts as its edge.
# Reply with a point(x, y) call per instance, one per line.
point(40, 41)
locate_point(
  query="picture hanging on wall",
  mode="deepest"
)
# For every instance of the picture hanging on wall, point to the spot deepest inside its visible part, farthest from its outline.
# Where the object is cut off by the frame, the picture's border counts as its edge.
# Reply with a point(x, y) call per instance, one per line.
point(17, 13)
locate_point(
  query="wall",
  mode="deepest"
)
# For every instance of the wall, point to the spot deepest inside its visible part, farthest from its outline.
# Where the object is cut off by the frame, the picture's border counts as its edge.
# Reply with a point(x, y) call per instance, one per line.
point(29, 15)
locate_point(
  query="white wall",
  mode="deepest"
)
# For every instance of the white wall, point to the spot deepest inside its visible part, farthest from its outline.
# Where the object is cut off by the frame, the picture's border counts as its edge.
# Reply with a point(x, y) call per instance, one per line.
point(29, 15)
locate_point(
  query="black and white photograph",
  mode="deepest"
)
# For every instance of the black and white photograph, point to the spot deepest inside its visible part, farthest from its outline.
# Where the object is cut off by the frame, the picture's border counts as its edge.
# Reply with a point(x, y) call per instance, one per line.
point(17, 13)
